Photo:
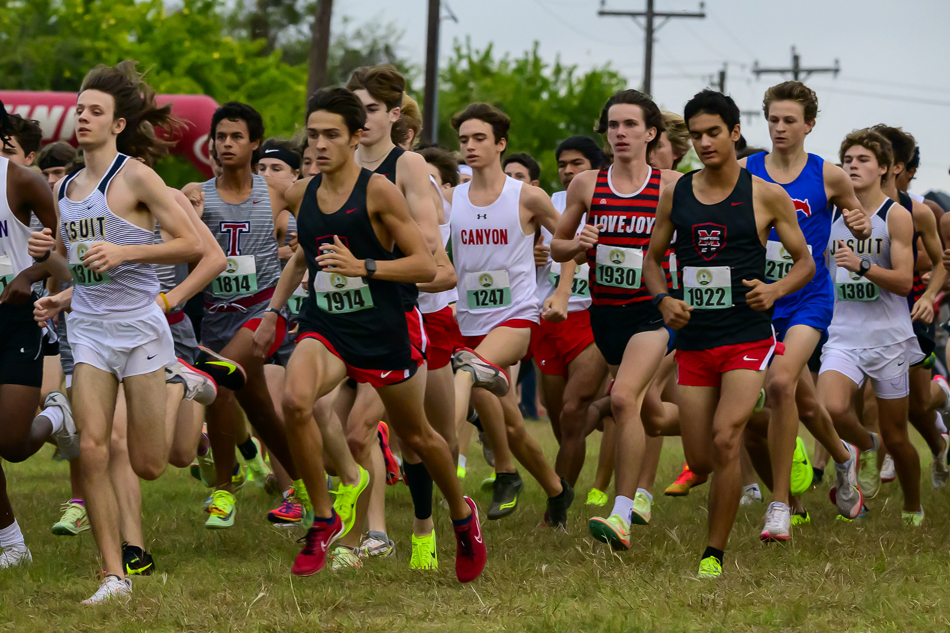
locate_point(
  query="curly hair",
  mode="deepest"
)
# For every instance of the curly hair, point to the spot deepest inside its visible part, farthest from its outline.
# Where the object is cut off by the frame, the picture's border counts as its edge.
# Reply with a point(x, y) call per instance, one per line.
point(872, 141)
point(792, 91)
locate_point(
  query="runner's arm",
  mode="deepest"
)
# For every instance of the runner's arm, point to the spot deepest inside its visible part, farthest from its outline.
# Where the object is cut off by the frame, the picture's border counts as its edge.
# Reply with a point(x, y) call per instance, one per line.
point(413, 180)
point(49, 240)
point(841, 194)
point(899, 278)
point(289, 280)
point(566, 244)
point(785, 223)
point(445, 278)
point(926, 226)
point(676, 312)
point(28, 193)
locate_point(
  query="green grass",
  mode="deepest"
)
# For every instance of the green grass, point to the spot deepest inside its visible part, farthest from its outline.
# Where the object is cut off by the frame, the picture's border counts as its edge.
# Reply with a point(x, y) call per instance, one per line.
point(877, 576)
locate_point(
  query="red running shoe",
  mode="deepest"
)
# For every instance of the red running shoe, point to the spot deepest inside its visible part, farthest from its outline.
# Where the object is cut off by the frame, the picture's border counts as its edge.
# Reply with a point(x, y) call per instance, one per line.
point(471, 554)
point(288, 513)
point(318, 540)
point(392, 466)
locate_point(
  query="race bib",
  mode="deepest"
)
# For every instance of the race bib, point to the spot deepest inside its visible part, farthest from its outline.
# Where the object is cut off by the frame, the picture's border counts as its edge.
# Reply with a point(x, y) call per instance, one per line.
point(579, 287)
point(81, 275)
point(488, 290)
point(708, 288)
point(778, 261)
point(295, 303)
point(619, 267)
point(239, 278)
point(338, 294)
point(6, 271)
point(851, 286)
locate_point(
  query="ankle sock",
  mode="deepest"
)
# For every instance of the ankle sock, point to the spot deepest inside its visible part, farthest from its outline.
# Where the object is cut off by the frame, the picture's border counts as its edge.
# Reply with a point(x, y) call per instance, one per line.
point(462, 461)
point(78, 502)
point(55, 417)
point(420, 487)
point(716, 553)
point(624, 507)
point(248, 449)
point(11, 536)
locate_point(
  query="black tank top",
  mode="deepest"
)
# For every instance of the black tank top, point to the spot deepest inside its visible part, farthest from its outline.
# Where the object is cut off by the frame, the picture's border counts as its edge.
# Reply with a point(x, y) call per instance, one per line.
point(918, 288)
point(410, 292)
point(367, 328)
point(719, 235)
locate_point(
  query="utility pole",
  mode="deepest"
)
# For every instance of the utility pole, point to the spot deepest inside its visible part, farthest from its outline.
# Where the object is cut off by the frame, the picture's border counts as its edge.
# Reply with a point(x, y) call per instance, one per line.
point(796, 70)
point(649, 29)
point(430, 101)
point(319, 46)
point(719, 81)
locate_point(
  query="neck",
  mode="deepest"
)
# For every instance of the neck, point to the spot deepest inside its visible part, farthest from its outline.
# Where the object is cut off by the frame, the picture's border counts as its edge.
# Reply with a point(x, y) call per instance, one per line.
point(374, 154)
point(237, 178)
point(725, 175)
point(890, 188)
point(98, 159)
point(634, 168)
point(870, 198)
point(488, 177)
point(341, 178)
point(784, 158)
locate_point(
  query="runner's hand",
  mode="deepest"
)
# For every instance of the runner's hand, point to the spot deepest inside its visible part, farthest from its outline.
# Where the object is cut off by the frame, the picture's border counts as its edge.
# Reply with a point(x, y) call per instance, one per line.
point(265, 334)
point(40, 243)
point(337, 258)
point(589, 235)
point(45, 310)
point(923, 311)
point(845, 258)
point(103, 256)
point(554, 309)
point(542, 253)
point(761, 297)
point(856, 221)
point(18, 292)
point(293, 241)
point(676, 313)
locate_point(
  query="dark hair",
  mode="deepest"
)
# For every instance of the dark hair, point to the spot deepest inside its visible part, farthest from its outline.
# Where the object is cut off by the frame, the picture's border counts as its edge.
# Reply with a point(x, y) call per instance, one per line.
point(902, 143)
point(713, 102)
point(498, 120)
point(523, 158)
point(652, 117)
point(914, 162)
point(58, 154)
point(748, 151)
point(383, 83)
point(874, 142)
point(27, 132)
point(282, 149)
point(135, 101)
point(339, 101)
point(792, 91)
point(586, 146)
point(237, 111)
point(6, 127)
point(444, 161)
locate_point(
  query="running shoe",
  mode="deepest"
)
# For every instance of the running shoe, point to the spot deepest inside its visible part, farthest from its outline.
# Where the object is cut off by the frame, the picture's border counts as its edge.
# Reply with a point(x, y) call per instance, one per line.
point(424, 554)
point(802, 473)
point(888, 471)
point(73, 521)
point(377, 544)
point(289, 513)
point(471, 554)
point(750, 494)
point(206, 472)
point(596, 498)
point(222, 510)
point(613, 530)
point(239, 477)
point(306, 517)
point(868, 474)
point(392, 466)
point(459, 472)
point(930, 361)
point(112, 588)
point(15, 556)
point(939, 471)
point(317, 541)
point(686, 480)
point(224, 371)
point(913, 519)
point(199, 386)
point(505, 498)
point(343, 557)
point(485, 375)
point(710, 567)
point(760, 403)
point(136, 561)
point(488, 483)
point(777, 523)
point(346, 498)
point(67, 440)
point(257, 468)
point(861, 515)
point(642, 509)
point(942, 383)
point(556, 515)
point(801, 518)
point(847, 491)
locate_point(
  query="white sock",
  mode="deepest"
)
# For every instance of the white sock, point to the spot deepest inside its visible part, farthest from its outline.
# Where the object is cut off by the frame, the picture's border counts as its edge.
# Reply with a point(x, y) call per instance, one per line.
point(940, 424)
point(641, 491)
point(55, 416)
point(11, 536)
point(624, 507)
point(462, 461)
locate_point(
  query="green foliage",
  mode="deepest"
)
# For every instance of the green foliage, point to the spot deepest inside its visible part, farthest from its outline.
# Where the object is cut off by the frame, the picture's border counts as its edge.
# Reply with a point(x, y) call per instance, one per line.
point(546, 102)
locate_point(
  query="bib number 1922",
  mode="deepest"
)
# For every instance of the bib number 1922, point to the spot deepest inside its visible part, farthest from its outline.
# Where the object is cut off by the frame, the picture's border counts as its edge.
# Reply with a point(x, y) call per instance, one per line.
point(707, 298)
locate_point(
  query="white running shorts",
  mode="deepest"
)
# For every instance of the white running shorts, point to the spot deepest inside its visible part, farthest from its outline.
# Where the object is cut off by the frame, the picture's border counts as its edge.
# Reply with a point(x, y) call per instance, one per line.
point(887, 367)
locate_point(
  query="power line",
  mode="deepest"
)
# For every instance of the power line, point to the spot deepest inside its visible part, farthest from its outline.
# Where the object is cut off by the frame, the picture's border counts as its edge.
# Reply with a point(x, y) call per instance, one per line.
point(796, 69)
point(885, 97)
point(572, 27)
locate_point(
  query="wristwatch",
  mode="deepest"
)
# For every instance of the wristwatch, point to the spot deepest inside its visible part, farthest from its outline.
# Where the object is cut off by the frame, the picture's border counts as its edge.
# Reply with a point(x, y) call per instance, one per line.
point(659, 298)
point(370, 267)
point(865, 267)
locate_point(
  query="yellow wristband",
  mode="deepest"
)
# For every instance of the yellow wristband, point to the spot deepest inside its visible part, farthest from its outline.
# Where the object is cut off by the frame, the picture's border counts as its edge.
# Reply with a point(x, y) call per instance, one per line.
point(168, 306)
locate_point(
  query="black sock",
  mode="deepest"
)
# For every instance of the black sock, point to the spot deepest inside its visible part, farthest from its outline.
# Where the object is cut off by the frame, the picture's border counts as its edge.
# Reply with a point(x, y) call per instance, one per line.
point(819, 473)
point(420, 487)
point(248, 449)
point(715, 553)
point(563, 490)
point(475, 421)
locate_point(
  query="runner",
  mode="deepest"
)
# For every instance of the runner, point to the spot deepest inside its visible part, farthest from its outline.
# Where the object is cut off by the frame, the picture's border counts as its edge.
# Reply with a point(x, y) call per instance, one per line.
point(725, 339)
point(522, 167)
point(619, 202)
point(354, 323)
point(872, 278)
point(406, 130)
point(801, 319)
point(55, 161)
point(494, 220)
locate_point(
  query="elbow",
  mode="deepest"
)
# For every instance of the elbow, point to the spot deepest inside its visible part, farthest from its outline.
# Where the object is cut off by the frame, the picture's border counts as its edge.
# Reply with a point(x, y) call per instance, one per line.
point(906, 286)
point(218, 261)
point(427, 271)
point(195, 248)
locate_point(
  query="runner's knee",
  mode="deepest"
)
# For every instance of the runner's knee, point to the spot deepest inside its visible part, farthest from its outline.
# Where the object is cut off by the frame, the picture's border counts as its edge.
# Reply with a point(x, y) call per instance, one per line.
point(725, 447)
point(780, 388)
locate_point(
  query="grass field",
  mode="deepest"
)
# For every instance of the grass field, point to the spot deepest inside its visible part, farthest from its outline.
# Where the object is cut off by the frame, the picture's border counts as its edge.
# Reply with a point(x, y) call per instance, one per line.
point(873, 576)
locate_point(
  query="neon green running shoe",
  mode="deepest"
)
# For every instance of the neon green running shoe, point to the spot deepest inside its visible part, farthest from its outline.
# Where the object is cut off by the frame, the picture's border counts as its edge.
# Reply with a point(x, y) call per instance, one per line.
point(869, 475)
point(343, 557)
point(74, 520)
point(802, 472)
point(222, 510)
point(760, 403)
point(424, 555)
point(913, 519)
point(709, 567)
point(801, 519)
point(306, 514)
point(346, 497)
point(612, 530)
point(596, 498)
point(460, 472)
point(257, 468)
point(642, 509)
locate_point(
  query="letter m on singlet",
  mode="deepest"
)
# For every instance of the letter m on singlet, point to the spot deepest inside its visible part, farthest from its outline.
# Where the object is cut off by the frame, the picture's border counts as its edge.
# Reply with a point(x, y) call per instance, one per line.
point(233, 230)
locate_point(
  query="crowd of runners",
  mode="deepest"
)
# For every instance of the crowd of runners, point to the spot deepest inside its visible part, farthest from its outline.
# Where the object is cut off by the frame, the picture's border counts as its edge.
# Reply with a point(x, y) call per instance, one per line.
point(367, 304)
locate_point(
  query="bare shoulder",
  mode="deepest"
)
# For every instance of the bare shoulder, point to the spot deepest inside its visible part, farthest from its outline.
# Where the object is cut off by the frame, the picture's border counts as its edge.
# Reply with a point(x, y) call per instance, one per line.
point(833, 175)
point(532, 196)
point(669, 177)
point(182, 200)
point(410, 160)
point(584, 183)
point(381, 193)
point(137, 174)
point(295, 193)
point(768, 192)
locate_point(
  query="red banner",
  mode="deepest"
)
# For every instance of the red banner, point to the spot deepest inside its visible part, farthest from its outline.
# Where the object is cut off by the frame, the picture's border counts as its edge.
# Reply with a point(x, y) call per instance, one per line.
point(56, 113)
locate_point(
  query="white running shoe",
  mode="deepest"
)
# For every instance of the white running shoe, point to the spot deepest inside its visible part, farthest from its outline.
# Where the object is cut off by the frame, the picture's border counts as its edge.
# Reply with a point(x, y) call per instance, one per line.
point(942, 383)
point(939, 471)
point(750, 494)
point(777, 523)
point(111, 587)
point(848, 495)
point(888, 472)
point(485, 374)
point(15, 556)
point(66, 437)
point(199, 386)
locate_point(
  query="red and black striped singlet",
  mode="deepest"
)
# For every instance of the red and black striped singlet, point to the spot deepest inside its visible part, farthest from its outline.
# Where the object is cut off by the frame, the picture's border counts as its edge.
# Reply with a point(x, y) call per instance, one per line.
point(628, 221)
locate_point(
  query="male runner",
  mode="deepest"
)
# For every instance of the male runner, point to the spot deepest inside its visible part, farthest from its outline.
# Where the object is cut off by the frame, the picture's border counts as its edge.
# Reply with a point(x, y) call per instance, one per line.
point(55, 160)
point(354, 323)
point(522, 167)
point(801, 319)
point(872, 279)
point(619, 202)
point(722, 216)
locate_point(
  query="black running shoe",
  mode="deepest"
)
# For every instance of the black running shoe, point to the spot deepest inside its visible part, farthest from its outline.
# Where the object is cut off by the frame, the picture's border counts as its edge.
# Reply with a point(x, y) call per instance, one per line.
point(137, 562)
point(225, 372)
point(556, 516)
point(507, 488)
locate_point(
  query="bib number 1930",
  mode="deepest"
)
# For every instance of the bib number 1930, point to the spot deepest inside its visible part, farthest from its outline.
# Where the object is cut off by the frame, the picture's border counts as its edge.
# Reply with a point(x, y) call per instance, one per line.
point(708, 288)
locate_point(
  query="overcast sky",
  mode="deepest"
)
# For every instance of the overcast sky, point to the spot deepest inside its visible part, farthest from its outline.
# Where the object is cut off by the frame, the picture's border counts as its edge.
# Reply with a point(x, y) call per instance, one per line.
point(899, 77)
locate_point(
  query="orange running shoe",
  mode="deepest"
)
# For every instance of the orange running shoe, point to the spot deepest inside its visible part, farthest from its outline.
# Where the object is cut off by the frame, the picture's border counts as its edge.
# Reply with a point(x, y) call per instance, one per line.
point(686, 480)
